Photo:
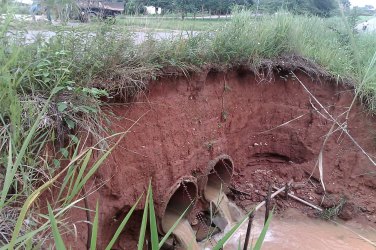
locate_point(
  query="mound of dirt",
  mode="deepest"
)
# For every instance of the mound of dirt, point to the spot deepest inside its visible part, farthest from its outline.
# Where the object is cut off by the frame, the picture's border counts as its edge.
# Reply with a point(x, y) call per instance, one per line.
point(273, 131)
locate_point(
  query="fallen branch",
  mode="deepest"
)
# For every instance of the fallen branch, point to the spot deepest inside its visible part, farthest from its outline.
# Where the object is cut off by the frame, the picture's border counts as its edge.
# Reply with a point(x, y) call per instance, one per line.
point(344, 128)
point(272, 196)
point(302, 201)
point(237, 191)
point(283, 124)
point(248, 234)
point(267, 203)
point(339, 224)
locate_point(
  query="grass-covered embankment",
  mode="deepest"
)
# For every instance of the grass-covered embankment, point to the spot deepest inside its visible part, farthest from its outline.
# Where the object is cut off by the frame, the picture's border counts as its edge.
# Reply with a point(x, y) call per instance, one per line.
point(51, 89)
point(171, 23)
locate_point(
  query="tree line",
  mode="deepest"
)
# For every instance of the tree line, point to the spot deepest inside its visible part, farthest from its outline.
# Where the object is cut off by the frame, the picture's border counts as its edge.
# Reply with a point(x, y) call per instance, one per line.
point(213, 7)
point(323, 8)
point(222, 7)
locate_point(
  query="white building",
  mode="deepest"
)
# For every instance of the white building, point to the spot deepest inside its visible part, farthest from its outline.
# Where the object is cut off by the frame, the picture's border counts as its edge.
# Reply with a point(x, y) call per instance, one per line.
point(151, 10)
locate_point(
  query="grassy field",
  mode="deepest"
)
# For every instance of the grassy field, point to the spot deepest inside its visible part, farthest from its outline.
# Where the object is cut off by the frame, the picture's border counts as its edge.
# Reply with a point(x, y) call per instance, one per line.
point(171, 23)
point(364, 18)
point(49, 90)
point(156, 23)
point(127, 23)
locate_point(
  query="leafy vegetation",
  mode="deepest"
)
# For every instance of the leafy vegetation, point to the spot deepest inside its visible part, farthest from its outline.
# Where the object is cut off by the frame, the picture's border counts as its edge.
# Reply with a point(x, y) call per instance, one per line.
point(333, 212)
point(52, 90)
point(314, 7)
point(222, 7)
point(218, 7)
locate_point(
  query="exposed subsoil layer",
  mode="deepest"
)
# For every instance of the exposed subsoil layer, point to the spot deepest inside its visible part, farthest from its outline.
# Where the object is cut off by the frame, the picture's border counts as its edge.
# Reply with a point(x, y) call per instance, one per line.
point(186, 122)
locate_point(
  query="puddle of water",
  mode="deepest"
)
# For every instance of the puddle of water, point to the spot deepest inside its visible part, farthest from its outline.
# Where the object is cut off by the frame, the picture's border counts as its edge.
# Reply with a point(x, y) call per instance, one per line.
point(292, 230)
point(296, 231)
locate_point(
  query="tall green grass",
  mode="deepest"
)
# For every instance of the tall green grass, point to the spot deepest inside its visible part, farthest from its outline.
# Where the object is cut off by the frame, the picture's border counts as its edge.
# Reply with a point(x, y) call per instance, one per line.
point(169, 23)
point(43, 103)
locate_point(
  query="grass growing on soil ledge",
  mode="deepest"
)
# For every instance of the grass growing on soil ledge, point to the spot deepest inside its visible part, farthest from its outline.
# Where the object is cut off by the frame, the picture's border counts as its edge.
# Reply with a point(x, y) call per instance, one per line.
point(171, 23)
point(52, 90)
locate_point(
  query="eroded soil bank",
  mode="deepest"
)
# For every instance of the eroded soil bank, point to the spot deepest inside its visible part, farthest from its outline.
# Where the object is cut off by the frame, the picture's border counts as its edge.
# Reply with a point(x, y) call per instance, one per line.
point(273, 132)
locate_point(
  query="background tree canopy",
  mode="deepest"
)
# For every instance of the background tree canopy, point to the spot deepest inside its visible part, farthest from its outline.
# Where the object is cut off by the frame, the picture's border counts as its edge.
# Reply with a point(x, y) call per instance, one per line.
point(191, 6)
point(322, 8)
point(313, 7)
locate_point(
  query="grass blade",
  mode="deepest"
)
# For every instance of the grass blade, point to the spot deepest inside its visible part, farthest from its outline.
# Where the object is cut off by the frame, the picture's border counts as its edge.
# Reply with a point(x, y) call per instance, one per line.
point(94, 232)
point(93, 169)
point(144, 223)
point(77, 185)
point(261, 238)
point(32, 197)
point(24, 238)
point(55, 231)
point(23, 150)
point(70, 175)
point(9, 175)
point(228, 235)
point(174, 226)
point(153, 222)
point(122, 225)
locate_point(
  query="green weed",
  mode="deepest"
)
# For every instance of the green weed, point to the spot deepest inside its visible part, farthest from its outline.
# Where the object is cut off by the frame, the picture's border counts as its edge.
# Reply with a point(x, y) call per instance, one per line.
point(333, 212)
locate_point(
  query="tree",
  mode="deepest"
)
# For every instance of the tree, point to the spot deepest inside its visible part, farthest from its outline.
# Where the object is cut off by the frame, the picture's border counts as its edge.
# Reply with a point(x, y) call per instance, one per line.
point(322, 7)
point(346, 4)
point(166, 5)
point(193, 6)
point(132, 7)
point(219, 7)
point(313, 7)
point(367, 10)
point(184, 6)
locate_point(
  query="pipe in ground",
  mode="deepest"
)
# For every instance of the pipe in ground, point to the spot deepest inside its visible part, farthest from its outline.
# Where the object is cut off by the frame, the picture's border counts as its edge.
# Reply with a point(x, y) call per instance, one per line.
point(181, 196)
point(219, 175)
point(215, 187)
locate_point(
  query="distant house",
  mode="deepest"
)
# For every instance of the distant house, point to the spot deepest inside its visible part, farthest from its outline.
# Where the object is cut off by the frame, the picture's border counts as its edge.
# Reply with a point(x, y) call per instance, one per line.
point(151, 10)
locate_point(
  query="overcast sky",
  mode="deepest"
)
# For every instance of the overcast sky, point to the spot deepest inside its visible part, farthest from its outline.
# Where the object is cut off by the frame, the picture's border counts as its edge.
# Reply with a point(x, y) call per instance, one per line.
point(363, 2)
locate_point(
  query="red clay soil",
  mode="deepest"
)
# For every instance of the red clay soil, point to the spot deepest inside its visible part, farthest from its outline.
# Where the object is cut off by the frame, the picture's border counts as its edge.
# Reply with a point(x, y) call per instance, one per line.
point(272, 131)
